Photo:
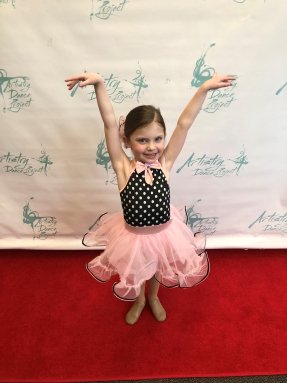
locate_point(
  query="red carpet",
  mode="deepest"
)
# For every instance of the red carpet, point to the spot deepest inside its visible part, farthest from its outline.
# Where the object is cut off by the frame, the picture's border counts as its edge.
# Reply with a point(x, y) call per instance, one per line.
point(58, 324)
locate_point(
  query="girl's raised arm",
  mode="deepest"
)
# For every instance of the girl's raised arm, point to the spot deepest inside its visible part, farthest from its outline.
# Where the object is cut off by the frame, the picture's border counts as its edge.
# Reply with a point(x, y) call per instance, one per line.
point(188, 116)
point(112, 133)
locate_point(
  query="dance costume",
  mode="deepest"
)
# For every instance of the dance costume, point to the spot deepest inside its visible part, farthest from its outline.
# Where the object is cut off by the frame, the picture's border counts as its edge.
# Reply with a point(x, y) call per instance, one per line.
point(149, 238)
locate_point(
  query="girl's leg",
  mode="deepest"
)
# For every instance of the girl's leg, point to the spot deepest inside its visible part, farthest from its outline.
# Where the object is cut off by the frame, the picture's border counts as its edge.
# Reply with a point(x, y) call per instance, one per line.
point(135, 311)
point(155, 305)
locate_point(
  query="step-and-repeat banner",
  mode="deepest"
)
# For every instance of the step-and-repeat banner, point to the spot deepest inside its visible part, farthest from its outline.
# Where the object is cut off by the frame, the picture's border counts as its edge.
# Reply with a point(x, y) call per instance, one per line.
point(55, 173)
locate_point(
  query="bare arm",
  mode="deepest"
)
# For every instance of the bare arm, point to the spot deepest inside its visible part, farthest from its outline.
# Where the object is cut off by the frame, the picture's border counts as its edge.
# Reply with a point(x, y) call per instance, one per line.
point(188, 116)
point(112, 133)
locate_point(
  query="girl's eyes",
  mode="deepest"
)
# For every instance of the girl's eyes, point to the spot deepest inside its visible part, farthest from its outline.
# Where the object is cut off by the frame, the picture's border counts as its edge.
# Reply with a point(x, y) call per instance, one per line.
point(142, 140)
point(145, 140)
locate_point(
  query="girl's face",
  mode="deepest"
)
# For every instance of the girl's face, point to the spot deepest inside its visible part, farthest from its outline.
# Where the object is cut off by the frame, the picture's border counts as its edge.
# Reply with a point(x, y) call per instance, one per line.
point(147, 143)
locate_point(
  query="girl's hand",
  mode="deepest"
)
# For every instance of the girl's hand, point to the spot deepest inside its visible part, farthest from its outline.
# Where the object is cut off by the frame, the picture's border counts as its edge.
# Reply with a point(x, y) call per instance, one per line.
point(83, 79)
point(218, 81)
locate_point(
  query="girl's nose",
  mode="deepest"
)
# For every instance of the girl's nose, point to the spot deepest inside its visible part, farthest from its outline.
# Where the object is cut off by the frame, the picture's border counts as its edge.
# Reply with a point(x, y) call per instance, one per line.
point(151, 145)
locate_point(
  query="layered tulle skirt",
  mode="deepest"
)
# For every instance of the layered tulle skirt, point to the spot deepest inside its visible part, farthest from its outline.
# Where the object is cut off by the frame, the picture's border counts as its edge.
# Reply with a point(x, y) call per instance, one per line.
point(170, 252)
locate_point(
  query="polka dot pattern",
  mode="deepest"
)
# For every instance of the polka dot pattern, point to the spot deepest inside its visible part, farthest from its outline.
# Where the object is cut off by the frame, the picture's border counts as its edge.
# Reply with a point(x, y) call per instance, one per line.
point(144, 204)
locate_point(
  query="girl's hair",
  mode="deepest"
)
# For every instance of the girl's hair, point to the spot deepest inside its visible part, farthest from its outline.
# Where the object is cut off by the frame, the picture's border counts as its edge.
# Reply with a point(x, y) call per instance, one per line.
point(140, 116)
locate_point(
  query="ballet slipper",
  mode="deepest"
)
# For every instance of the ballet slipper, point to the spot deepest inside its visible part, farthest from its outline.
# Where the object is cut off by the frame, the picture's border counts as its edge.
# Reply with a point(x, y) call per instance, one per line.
point(134, 312)
point(157, 309)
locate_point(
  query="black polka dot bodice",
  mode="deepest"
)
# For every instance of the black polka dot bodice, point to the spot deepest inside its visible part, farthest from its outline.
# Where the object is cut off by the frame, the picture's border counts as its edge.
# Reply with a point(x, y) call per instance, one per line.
point(144, 204)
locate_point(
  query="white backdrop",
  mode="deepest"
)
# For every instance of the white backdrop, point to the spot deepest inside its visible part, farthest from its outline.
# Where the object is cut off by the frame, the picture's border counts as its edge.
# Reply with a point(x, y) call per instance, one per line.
point(54, 170)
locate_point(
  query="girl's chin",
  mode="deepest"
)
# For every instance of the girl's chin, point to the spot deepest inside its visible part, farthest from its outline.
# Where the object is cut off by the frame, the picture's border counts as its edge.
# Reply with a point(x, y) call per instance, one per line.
point(149, 158)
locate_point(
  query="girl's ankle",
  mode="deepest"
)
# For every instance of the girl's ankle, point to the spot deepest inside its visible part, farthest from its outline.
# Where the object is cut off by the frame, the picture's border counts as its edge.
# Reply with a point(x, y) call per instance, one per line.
point(157, 309)
point(135, 311)
point(152, 298)
point(140, 301)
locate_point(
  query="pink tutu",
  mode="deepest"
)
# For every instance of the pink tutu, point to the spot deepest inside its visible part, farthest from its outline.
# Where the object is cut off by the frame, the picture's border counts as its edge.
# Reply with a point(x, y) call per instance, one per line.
point(170, 252)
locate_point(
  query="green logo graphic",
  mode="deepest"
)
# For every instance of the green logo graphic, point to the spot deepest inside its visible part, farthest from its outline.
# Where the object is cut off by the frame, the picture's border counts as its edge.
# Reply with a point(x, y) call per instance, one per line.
point(7, 2)
point(280, 89)
point(43, 226)
point(198, 223)
point(214, 165)
point(15, 92)
point(104, 9)
point(274, 223)
point(219, 98)
point(202, 72)
point(103, 159)
point(23, 164)
point(120, 90)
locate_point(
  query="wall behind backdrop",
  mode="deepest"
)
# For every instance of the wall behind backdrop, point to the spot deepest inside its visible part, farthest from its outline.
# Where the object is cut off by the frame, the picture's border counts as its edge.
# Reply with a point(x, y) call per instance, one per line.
point(55, 174)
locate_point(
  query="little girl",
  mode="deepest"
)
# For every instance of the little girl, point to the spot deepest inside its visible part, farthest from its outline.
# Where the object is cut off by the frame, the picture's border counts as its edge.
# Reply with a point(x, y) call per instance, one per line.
point(149, 240)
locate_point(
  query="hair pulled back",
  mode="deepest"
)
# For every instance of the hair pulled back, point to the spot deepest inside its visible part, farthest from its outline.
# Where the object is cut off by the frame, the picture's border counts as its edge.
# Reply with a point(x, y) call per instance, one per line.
point(140, 116)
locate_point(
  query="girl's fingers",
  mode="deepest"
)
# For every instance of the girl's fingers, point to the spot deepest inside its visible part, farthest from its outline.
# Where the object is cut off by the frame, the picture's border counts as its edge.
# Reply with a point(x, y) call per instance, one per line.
point(70, 79)
point(71, 84)
point(225, 77)
point(74, 79)
point(81, 77)
point(231, 78)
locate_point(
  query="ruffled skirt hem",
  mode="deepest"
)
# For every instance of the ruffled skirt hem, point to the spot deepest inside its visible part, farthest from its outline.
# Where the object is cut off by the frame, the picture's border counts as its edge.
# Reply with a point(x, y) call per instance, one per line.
point(169, 252)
